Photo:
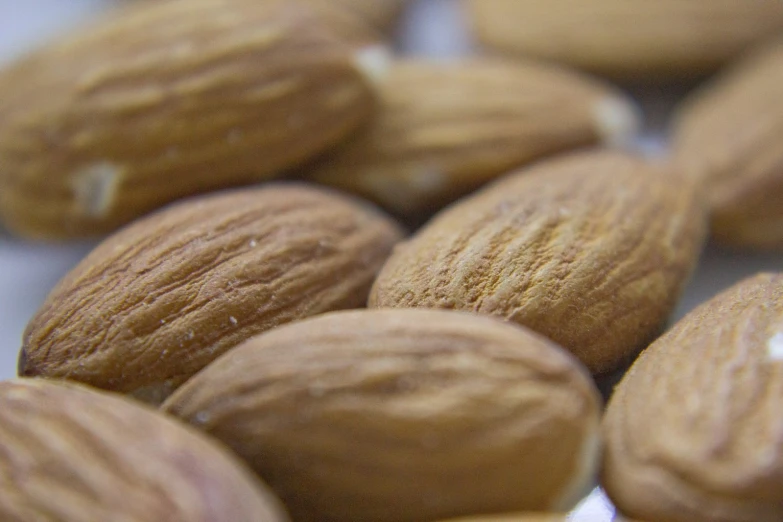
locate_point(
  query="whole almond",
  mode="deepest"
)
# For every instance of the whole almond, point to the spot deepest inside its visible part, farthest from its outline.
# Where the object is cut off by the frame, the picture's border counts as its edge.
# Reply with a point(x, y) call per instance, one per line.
point(632, 39)
point(445, 128)
point(591, 250)
point(166, 99)
point(728, 135)
point(694, 431)
point(71, 454)
point(160, 299)
point(402, 415)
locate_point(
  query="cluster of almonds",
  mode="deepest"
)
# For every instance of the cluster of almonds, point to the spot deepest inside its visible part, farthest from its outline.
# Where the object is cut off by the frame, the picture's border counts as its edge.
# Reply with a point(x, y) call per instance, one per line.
point(287, 334)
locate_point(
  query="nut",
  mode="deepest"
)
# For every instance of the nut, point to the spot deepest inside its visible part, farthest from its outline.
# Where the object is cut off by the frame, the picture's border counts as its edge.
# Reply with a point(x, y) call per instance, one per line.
point(359, 22)
point(728, 136)
point(445, 128)
point(402, 415)
point(632, 39)
point(591, 250)
point(694, 431)
point(160, 299)
point(70, 454)
point(166, 99)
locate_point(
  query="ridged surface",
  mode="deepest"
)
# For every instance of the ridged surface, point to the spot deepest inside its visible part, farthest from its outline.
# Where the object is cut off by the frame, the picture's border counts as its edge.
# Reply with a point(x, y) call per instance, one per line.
point(729, 135)
point(162, 100)
point(69, 454)
point(628, 38)
point(445, 128)
point(694, 432)
point(591, 250)
point(403, 415)
point(160, 299)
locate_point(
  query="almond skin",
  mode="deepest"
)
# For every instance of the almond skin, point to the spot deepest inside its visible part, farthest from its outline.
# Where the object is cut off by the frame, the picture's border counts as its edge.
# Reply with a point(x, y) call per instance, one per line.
point(161, 100)
point(630, 39)
point(71, 454)
point(446, 128)
point(694, 431)
point(591, 250)
point(160, 299)
point(403, 415)
point(359, 22)
point(728, 136)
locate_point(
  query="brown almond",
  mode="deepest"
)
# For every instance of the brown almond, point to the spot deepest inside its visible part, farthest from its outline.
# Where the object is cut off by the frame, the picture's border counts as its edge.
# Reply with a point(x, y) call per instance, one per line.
point(71, 454)
point(360, 22)
point(591, 250)
point(446, 128)
point(159, 300)
point(729, 136)
point(694, 431)
point(166, 99)
point(403, 415)
point(632, 39)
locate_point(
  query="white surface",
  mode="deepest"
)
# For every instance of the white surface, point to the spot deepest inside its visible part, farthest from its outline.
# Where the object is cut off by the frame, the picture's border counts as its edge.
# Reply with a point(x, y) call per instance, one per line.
point(28, 271)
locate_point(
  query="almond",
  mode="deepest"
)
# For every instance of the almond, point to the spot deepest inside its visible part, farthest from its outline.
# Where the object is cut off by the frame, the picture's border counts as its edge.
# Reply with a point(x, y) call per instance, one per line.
point(445, 128)
point(694, 431)
point(70, 454)
point(403, 415)
point(159, 300)
point(632, 39)
point(359, 22)
point(163, 100)
point(591, 250)
point(728, 135)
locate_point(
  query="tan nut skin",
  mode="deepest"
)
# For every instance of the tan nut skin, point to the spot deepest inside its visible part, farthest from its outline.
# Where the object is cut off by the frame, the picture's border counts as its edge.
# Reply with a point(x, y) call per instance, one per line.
point(403, 415)
point(69, 453)
point(157, 301)
point(162, 100)
point(591, 249)
point(694, 431)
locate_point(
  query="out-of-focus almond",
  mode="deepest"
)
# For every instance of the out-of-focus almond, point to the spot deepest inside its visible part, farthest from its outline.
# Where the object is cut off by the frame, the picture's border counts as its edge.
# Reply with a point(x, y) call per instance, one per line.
point(403, 415)
point(694, 431)
point(160, 299)
point(445, 128)
point(729, 136)
point(70, 454)
point(633, 39)
point(591, 250)
point(359, 22)
point(165, 99)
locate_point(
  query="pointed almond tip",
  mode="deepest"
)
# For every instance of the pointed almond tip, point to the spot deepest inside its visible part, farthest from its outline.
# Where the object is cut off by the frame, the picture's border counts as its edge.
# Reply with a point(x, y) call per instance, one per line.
point(373, 62)
point(617, 120)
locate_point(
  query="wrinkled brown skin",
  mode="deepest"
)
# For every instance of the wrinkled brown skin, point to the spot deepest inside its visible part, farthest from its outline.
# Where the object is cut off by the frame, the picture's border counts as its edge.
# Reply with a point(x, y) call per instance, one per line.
point(637, 40)
point(590, 249)
point(446, 128)
point(71, 454)
point(161, 100)
point(403, 416)
point(729, 135)
point(694, 432)
point(160, 299)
